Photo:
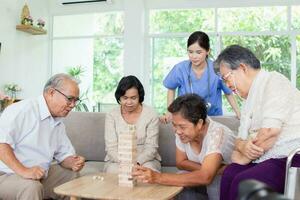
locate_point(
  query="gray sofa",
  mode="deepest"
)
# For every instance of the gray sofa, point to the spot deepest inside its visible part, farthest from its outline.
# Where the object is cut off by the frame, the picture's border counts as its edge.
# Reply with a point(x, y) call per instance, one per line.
point(86, 132)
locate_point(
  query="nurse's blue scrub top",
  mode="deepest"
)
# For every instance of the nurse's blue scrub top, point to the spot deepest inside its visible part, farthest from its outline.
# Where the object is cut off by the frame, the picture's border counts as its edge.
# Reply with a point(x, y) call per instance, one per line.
point(184, 78)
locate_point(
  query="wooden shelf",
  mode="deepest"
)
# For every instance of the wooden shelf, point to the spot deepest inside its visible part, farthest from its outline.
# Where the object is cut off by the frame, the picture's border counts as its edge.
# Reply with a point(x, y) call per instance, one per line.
point(34, 30)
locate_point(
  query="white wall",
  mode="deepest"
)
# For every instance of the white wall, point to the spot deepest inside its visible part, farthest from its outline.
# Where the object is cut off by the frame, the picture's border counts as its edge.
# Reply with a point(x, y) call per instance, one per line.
point(26, 59)
point(23, 57)
point(181, 4)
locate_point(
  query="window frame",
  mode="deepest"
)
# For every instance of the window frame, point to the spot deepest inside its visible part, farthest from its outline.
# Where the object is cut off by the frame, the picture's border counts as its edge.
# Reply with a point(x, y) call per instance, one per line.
point(289, 32)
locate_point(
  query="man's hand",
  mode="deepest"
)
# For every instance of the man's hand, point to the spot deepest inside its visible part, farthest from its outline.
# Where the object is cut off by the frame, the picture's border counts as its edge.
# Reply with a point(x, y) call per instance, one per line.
point(78, 163)
point(35, 173)
point(145, 175)
point(251, 151)
point(75, 163)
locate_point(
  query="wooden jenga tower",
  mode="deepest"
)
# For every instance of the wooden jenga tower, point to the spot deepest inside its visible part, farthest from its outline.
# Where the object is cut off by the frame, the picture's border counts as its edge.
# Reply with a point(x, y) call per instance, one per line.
point(127, 150)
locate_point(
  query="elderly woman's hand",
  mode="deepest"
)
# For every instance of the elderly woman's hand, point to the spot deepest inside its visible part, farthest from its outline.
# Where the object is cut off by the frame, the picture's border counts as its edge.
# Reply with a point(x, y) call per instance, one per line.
point(145, 175)
point(251, 151)
point(267, 137)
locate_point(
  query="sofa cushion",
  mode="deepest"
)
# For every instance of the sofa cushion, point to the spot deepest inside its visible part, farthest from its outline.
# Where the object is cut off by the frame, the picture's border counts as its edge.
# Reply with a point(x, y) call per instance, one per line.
point(231, 122)
point(166, 145)
point(86, 132)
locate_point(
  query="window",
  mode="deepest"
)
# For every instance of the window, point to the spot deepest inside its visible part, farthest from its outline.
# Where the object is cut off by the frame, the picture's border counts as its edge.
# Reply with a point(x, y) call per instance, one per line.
point(93, 42)
point(298, 62)
point(178, 21)
point(252, 19)
point(264, 30)
point(168, 43)
point(295, 17)
point(273, 51)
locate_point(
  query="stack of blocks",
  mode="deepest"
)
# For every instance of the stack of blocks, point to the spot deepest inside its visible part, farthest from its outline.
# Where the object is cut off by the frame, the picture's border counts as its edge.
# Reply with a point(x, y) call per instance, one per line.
point(127, 150)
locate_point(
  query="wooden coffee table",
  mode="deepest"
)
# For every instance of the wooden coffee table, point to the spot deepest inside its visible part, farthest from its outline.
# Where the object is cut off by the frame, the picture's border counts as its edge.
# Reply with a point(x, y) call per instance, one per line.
point(94, 188)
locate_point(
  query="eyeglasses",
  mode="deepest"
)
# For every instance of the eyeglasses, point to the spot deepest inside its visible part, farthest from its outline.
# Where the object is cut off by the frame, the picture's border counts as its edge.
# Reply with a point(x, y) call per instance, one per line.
point(69, 99)
point(226, 76)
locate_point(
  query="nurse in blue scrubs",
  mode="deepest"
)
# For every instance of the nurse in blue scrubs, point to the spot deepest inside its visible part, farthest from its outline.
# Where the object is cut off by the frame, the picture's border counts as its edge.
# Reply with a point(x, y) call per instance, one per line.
point(197, 75)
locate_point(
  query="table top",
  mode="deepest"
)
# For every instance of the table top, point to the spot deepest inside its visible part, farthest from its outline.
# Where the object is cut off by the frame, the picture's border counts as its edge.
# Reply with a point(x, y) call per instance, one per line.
point(94, 187)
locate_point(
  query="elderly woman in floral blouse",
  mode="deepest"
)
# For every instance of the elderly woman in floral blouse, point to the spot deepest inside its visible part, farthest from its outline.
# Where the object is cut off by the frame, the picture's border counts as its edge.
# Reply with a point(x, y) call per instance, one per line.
point(202, 147)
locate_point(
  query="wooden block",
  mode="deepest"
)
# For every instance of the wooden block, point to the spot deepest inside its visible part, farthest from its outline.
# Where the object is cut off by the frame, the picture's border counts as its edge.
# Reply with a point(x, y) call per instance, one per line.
point(125, 177)
point(127, 183)
point(126, 154)
point(124, 172)
point(126, 168)
point(127, 159)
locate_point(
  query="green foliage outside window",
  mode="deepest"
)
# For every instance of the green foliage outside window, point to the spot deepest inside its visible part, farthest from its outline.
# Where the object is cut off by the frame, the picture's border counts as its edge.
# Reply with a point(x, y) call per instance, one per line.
point(108, 56)
point(274, 51)
point(168, 32)
point(298, 61)
point(296, 17)
point(176, 21)
point(108, 68)
point(163, 48)
point(252, 19)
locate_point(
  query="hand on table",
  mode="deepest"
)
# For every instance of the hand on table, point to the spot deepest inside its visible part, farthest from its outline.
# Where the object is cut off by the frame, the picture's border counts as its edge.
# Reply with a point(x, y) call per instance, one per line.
point(78, 163)
point(145, 175)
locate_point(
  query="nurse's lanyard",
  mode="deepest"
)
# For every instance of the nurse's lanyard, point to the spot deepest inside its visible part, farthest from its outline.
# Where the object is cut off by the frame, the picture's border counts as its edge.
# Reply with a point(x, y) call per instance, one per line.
point(208, 104)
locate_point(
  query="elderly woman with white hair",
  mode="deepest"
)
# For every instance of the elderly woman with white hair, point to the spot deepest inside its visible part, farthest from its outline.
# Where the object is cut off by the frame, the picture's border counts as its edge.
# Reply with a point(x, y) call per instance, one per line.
point(270, 122)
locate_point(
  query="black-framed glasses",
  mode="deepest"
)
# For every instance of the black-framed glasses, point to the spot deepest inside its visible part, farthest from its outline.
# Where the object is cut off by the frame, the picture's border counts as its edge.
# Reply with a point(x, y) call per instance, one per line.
point(69, 99)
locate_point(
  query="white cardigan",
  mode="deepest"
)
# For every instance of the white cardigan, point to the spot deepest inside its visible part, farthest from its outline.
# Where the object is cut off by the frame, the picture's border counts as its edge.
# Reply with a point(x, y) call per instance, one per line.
point(279, 107)
point(147, 128)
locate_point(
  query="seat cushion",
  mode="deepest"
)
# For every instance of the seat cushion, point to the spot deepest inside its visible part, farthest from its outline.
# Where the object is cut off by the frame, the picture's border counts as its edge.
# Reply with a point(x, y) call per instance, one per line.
point(86, 132)
point(167, 147)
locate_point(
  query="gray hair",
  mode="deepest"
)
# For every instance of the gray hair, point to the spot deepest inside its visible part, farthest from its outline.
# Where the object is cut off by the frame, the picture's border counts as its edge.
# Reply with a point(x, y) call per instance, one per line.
point(56, 81)
point(234, 55)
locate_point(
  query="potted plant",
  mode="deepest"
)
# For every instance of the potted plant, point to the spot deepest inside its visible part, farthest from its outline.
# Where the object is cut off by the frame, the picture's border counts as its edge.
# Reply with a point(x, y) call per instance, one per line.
point(77, 72)
point(12, 89)
point(5, 100)
point(40, 23)
point(27, 20)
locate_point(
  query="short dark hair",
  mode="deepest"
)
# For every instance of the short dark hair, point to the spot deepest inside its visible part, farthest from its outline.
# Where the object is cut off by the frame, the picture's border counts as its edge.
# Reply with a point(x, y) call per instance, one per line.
point(191, 106)
point(234, 55)
point(201, 38)
point(126, 83)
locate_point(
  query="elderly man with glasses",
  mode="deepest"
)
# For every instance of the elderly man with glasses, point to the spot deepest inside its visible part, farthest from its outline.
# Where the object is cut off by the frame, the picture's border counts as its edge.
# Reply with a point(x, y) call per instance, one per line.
point(32, 134)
